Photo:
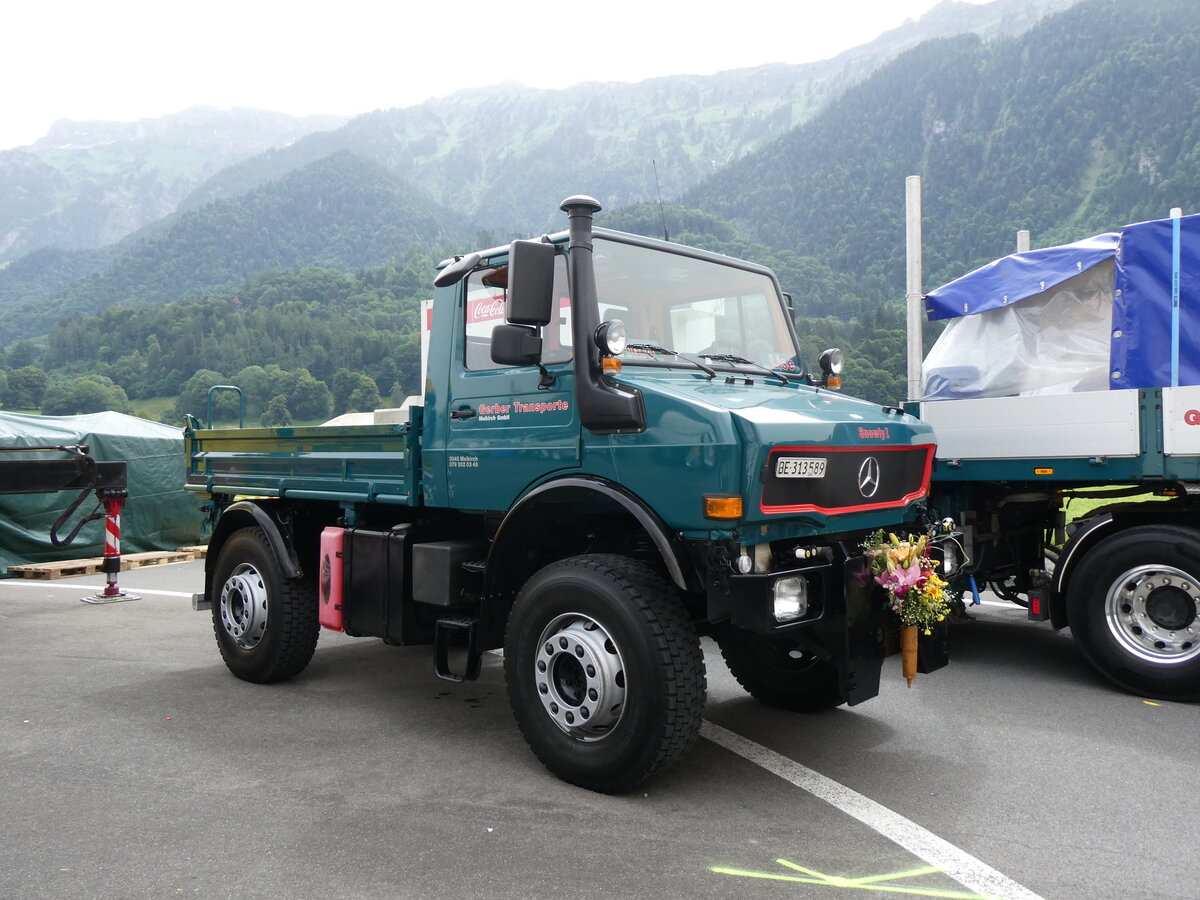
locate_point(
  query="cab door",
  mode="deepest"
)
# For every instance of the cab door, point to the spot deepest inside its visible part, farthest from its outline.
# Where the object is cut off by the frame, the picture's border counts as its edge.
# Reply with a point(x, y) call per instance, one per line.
point(510, 426)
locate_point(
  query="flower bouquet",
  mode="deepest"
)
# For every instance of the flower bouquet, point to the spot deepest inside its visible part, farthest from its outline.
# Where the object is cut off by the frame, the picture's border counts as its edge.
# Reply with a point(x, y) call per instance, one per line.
point(915, 593)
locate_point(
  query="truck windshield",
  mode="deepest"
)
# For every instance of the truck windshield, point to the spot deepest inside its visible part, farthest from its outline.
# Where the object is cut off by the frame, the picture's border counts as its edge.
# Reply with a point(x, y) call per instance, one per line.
point(673, 304)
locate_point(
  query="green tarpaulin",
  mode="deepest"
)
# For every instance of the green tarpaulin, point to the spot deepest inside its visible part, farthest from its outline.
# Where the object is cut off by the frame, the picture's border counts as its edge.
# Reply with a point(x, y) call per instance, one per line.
point(159, 514)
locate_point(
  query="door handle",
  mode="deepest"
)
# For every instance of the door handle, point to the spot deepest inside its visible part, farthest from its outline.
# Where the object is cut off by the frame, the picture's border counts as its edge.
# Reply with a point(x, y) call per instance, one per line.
point(464, 412)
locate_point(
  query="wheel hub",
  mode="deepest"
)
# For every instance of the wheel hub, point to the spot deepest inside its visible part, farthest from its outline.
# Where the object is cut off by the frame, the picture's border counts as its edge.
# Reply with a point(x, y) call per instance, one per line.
point(580, 677)
point(1153, 612)
point(243, 606)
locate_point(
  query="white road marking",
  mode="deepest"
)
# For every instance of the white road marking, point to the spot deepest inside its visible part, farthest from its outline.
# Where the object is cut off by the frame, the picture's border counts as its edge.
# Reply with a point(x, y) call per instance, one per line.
point(76, 586)
point(958, 864)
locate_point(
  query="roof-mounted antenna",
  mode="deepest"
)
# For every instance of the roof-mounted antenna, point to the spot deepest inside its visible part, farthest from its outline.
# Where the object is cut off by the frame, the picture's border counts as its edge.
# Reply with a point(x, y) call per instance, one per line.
point(661, 209)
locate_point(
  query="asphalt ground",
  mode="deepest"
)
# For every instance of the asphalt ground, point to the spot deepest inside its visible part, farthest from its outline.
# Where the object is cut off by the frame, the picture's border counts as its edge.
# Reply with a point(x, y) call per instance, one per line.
point(132, 764)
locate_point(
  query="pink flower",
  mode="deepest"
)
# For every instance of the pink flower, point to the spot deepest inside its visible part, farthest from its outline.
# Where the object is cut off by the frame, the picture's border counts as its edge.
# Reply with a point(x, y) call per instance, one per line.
point(899, 581)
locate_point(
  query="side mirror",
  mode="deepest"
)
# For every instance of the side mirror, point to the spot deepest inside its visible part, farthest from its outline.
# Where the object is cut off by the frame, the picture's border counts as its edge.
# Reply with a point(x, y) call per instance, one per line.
point(530, 283)
point(516, 345)
point(454, 271)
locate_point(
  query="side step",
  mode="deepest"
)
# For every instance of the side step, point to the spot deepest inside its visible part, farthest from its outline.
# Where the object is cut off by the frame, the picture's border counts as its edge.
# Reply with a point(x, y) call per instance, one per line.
point(442, 632)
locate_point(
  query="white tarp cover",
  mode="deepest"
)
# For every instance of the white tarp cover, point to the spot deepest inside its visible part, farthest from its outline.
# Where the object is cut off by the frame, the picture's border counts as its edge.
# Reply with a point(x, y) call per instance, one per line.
point(1051, 343)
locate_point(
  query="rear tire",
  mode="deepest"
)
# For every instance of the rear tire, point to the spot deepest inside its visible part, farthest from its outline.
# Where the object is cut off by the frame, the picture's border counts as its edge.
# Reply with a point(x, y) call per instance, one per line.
point(266, 625)
point(775, 671)
point(604, 671)
point(1134, 609)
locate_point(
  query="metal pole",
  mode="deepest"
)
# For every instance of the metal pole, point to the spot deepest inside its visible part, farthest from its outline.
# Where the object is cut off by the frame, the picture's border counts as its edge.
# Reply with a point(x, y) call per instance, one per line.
point(914, 296)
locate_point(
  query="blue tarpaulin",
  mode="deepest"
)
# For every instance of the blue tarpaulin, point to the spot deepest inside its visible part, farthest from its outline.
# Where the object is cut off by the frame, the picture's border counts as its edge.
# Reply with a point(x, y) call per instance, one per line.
point(1017, 277)
point(1155, 295)
point(1143, 298)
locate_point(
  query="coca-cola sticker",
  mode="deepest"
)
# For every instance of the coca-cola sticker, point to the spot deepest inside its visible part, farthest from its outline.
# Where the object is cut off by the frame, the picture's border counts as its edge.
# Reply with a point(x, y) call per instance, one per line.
point(486, 309)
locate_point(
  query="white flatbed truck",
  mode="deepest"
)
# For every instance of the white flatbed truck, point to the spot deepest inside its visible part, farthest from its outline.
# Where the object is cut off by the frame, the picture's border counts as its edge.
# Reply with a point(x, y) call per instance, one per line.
point(1070, 372)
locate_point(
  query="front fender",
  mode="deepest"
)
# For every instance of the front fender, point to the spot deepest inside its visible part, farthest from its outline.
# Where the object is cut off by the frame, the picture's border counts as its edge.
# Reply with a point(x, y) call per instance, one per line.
point(522, 520)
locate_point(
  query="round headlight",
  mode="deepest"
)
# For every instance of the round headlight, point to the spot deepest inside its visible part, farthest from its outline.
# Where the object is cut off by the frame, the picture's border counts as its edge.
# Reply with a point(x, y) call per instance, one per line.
point(832, 361)
point(611, 337)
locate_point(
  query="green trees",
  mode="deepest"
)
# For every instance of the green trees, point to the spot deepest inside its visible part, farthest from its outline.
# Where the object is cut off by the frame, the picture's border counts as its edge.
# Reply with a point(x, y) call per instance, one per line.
point(314, 335)
point(355, 392)
point(276, 414)
point(25, 388)
point(364, 397)
point(86, 394)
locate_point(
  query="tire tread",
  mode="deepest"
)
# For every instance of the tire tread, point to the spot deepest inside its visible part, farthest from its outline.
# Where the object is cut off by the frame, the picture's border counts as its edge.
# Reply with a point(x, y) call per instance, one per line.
point(292, 608)
point(677, 648)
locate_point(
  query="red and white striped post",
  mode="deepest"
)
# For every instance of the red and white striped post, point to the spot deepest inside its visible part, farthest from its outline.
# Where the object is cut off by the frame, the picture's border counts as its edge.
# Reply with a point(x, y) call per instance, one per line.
point(113, 501)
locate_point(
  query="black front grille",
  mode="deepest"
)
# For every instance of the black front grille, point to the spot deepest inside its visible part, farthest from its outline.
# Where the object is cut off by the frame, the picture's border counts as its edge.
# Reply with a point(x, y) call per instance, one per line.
point(855, 479)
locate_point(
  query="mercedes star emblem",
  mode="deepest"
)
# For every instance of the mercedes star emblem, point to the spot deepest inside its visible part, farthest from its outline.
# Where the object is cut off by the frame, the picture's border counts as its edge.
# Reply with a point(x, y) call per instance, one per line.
point(868, 477)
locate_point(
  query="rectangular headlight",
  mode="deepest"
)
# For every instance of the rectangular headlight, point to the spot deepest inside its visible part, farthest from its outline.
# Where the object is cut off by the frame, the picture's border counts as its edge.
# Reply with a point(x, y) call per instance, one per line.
point(790, 599)
point(950, 560)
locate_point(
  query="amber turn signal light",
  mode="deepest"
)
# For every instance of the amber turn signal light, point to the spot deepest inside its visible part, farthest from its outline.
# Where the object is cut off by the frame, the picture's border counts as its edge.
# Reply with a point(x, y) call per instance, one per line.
point(722, 506)
point(610, 365)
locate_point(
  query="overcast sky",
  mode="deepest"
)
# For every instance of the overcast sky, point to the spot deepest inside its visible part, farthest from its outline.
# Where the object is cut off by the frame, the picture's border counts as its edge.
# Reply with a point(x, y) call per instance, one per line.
point(124, 60)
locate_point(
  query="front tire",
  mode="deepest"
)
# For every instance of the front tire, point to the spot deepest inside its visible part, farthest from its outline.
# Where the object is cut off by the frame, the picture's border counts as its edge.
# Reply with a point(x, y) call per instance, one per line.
point(777, 672)
point(604, 671)
point(266, 625)
point(1134, 609)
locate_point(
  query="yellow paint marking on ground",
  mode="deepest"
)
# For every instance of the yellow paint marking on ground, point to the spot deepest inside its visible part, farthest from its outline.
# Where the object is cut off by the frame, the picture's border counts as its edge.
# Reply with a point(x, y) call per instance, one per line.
point(926, 870)
point(1151, 703)
point(867, 883)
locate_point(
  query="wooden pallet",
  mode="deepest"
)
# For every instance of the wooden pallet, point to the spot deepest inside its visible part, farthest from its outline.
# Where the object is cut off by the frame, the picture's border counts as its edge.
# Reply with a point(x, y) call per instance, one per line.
point(197, 552)
point(72, 567)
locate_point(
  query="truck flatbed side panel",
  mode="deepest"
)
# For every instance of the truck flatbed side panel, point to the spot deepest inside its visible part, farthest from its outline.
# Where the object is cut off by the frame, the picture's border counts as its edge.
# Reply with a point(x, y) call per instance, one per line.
point(357, 463)
point(1181, 421)
point(1077, 425)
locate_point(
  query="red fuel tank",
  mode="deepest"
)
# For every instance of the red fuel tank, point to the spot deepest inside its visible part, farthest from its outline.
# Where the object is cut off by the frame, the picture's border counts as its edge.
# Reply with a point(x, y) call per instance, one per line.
point(332, 544)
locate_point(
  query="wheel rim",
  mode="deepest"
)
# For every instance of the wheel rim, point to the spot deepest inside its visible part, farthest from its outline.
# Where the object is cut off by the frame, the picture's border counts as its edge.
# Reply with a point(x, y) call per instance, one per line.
point(243, 606)
point(580, 677)
point(1154, 613)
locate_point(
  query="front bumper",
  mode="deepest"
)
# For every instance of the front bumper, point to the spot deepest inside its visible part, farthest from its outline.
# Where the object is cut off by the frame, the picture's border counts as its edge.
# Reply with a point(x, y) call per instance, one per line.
point(844, 624)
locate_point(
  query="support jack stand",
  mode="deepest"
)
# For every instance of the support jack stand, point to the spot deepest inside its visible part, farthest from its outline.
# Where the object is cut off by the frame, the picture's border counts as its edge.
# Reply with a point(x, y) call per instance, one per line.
point(113, 501)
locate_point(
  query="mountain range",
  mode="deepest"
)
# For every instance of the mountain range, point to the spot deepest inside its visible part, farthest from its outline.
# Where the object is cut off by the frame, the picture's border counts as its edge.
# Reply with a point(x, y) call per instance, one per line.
point(1063, 117)
point(89, 184)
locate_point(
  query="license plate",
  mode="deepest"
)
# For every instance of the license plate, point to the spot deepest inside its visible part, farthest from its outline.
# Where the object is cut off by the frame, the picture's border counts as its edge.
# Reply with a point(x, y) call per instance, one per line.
point(799, 467)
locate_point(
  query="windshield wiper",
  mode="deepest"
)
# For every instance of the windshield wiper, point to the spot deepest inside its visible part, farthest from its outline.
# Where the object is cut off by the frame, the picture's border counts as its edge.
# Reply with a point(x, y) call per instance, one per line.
point(742, 361)
point(654, 348)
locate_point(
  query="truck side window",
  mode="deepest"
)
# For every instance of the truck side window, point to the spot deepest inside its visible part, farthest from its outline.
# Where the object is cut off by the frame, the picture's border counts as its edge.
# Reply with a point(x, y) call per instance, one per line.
point(485, 310)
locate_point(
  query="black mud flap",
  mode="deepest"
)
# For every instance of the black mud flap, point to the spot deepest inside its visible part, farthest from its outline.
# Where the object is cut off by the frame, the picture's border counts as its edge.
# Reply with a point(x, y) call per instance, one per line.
point(933, 650)
point(850, 633)
point(864, 633)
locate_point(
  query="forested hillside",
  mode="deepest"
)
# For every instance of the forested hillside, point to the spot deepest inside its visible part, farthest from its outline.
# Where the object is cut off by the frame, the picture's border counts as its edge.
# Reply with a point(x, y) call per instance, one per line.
point(1085, 123)
point(342, 212)
point(314, 342)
